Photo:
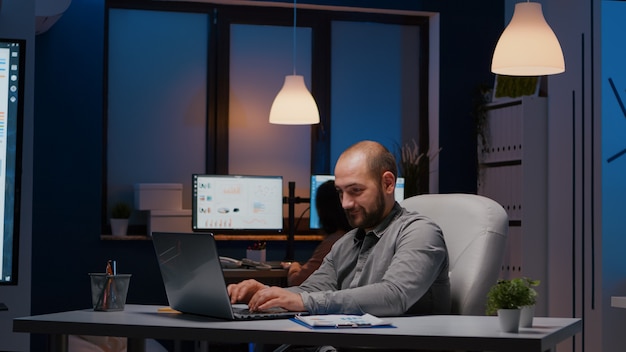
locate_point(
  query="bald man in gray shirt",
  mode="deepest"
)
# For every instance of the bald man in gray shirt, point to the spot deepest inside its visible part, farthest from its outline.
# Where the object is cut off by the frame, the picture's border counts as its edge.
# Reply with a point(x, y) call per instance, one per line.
point(394, 262)
point(399, 267)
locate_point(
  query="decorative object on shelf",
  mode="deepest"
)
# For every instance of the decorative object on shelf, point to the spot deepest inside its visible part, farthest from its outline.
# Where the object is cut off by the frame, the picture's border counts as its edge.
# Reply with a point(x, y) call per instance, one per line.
point(413, 166)
point(528, 46)
point(257, 252)
point(294, 104)
point(506, 299)
point(119, 218)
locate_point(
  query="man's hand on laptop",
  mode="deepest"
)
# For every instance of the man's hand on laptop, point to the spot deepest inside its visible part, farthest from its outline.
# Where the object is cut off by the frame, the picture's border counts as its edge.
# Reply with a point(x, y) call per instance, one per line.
point(273, 297)
point(261, 297)
point(242, 292)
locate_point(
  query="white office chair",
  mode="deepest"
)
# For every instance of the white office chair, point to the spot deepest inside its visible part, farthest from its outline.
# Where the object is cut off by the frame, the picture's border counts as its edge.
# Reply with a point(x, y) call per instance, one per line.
point(475, 230)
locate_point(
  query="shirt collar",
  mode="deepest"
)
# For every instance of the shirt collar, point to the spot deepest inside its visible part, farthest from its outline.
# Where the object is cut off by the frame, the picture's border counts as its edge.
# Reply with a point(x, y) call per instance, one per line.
point(378, 230)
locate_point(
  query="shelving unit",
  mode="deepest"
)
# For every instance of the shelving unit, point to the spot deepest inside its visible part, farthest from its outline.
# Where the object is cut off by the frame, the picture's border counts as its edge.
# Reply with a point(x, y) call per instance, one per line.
point(513, 172)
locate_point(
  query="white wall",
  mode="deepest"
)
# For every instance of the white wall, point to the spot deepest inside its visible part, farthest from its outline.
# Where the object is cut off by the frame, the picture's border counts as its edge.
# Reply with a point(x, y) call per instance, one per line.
point(17, 20)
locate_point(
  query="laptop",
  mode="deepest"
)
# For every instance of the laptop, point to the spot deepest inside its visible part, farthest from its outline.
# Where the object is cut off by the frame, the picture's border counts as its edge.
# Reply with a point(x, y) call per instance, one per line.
point(194, 281)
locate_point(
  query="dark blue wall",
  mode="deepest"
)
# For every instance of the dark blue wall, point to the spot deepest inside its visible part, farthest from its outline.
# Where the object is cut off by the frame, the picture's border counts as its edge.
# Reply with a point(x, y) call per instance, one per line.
point(69, 152)
point(469, 32)
point(67, 159)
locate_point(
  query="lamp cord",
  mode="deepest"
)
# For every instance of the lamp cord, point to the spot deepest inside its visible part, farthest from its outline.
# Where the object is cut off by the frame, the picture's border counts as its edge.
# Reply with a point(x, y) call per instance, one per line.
point(294, 37)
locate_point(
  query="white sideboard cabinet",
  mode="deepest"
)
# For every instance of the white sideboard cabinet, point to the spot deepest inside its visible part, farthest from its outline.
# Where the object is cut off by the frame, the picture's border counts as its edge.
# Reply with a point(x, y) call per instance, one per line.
point(513, 172)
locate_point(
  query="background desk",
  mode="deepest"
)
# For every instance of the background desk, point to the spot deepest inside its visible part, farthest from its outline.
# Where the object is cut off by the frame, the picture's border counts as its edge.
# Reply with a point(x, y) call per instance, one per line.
point(274, 277)
point(439, 332)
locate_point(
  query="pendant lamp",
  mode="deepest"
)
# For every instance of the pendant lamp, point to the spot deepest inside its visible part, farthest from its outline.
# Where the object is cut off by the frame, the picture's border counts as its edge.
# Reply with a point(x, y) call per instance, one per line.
point(294, 104)
point(528, 46)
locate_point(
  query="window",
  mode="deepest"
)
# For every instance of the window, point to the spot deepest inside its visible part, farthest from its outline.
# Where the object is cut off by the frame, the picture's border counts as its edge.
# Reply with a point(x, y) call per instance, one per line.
point(189, 90)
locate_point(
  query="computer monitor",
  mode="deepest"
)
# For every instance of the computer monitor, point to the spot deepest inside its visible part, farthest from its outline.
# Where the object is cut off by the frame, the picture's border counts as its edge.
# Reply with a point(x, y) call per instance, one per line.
point(399, 191)
point(237, 202)
point(317, 180)
point(12, 67)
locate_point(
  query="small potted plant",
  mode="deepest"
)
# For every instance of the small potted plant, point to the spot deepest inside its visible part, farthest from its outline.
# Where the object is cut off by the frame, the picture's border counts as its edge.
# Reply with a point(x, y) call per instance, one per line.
point(528, 310)
point(119, 218)
point(507, 297)
point(413, 166)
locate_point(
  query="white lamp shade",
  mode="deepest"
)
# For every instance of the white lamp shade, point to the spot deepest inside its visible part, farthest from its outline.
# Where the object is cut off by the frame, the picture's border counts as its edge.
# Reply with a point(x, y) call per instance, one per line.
point(528, 46)
point(47, 13)
point(294, 104)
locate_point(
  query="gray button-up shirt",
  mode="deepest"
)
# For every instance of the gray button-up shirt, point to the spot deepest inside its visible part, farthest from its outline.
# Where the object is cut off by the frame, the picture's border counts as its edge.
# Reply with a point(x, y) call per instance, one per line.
point(401, 267)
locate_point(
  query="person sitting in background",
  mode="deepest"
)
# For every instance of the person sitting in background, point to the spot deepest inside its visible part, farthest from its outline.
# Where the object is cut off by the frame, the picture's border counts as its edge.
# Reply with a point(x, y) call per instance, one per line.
point(334, 223)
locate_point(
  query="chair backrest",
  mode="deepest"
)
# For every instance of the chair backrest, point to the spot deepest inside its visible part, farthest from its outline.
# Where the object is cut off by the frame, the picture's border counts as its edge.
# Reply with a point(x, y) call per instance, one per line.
point(475, 230)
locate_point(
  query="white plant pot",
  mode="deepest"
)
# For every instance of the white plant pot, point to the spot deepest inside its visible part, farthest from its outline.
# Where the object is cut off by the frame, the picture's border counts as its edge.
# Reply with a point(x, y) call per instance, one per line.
point(119, 227)
point(526, 316)
point(509, 319)
point(258, 255)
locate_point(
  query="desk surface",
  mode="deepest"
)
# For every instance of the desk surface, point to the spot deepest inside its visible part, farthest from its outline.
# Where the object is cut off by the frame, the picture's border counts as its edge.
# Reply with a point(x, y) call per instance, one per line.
point(441, 332)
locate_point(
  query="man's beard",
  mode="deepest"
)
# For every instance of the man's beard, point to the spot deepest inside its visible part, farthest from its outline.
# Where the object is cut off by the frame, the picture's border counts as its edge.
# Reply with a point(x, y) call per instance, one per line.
point(370, 219)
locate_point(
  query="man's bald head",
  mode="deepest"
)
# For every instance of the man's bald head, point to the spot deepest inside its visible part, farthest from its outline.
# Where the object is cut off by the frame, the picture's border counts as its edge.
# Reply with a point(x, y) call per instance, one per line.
point(378, 158)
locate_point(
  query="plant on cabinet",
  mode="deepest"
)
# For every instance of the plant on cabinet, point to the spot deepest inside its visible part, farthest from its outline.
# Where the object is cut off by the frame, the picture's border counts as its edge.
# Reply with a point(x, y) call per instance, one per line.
point(528, 311)
point(507, 297)
point(119, 218)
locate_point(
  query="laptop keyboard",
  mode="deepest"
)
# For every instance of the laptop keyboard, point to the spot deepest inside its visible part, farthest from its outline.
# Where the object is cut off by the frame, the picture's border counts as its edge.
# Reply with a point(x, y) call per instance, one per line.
point(245, 313)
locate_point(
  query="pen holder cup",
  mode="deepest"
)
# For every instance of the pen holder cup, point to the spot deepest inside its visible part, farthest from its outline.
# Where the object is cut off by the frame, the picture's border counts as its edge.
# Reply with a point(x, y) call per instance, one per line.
point(258, 255)
point(108, 292)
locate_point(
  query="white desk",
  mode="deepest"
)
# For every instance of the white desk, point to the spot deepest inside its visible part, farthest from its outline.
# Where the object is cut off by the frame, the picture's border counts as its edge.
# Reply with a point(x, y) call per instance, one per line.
point(440, 332)
point(618, 302)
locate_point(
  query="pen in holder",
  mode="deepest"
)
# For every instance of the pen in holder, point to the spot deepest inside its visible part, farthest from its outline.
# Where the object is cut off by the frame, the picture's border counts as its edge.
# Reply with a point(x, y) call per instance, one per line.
point(109, 290)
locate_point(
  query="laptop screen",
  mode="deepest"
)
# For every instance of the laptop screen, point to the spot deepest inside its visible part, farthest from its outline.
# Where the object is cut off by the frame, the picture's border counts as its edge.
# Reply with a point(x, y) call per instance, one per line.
point(236, 202)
